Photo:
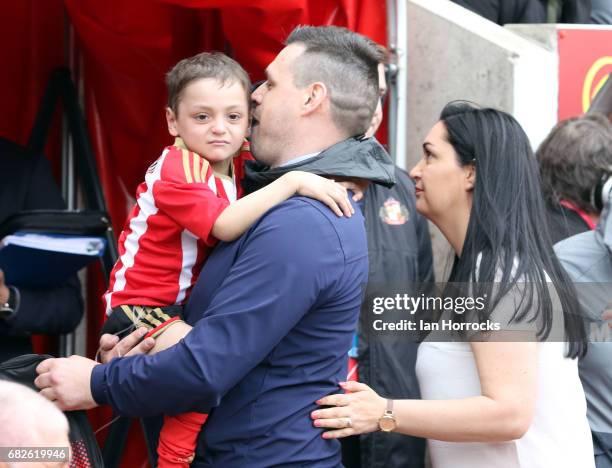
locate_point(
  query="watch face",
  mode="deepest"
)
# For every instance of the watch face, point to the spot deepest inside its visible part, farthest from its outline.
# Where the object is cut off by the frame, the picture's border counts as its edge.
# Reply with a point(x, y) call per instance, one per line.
point(387, 423)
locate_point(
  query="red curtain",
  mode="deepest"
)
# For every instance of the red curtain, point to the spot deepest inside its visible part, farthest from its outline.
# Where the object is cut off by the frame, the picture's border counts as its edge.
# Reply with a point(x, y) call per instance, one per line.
point(122, 51)
point(31, 47)
point(128, 46)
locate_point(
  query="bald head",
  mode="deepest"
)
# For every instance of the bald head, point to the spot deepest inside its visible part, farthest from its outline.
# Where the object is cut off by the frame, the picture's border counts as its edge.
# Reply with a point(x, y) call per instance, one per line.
point(29, 420)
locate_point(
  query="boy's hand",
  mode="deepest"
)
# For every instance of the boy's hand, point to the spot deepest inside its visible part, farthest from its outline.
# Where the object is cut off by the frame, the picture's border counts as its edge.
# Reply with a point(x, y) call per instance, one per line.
point(357, 186)
point(111, 347)
point(325, 190)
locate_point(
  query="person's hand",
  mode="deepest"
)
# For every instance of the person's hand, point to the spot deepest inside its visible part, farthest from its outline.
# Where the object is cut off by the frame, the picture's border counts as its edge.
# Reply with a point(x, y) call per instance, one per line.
point(358, 186)
point(111, 347)
point(4, 290)
point(607, 315)
point(66, 382)
point(356, 412)
point(325, 190)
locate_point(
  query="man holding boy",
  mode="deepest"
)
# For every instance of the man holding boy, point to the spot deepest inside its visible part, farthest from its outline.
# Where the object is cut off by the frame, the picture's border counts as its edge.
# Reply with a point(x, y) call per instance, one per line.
point(273, 324)
point(187, 202)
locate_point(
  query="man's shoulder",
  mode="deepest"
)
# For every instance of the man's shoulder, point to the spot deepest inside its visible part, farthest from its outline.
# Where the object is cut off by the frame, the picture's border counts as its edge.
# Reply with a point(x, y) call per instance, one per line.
point(311, 224)
point(308, 210)
point(582, 255)
point(403, 188)
point(402, 175)
point(583, 244)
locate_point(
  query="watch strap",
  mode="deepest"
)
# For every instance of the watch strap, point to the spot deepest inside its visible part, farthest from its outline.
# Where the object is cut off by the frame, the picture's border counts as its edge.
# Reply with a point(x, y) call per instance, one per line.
point(9, 308)
point(387, 422)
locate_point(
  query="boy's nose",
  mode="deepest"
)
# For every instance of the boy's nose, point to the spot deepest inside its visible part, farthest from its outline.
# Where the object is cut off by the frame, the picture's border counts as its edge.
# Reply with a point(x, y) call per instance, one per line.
point(219, 126)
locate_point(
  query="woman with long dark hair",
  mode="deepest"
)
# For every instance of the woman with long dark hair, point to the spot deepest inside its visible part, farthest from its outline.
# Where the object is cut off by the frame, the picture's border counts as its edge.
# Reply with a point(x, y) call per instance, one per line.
point(514, 400)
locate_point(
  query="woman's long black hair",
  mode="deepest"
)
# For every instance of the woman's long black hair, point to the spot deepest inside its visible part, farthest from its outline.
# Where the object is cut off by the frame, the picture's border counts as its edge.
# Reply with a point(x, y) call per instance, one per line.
point(507, 230)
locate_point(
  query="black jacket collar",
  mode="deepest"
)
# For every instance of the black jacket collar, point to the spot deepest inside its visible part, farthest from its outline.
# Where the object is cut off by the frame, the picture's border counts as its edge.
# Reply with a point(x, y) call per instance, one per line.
point(360, 159)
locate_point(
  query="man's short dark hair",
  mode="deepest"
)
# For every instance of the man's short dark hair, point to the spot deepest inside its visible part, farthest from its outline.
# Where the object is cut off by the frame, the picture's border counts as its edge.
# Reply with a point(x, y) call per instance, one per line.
point(573, 158)
point(346, 62)
point(214, 65)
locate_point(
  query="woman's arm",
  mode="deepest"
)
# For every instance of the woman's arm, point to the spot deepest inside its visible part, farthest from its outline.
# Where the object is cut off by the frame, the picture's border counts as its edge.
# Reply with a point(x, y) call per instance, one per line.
point(239, 216)
point(504, 411)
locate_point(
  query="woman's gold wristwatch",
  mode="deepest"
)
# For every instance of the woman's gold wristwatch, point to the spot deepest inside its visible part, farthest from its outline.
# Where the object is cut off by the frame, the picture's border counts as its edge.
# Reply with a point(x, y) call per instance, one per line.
point(387, 422)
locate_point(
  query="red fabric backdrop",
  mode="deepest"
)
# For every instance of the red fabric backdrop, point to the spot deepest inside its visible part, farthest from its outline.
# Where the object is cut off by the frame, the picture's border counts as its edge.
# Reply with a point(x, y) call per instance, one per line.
point(122, 50)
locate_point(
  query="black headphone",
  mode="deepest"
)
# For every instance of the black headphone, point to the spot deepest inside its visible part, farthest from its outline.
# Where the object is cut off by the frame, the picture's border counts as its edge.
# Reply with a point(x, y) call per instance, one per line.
point(601, 193)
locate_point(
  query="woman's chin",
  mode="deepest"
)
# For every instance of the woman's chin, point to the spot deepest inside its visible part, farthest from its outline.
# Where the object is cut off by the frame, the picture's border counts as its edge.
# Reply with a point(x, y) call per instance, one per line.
point(421, 207)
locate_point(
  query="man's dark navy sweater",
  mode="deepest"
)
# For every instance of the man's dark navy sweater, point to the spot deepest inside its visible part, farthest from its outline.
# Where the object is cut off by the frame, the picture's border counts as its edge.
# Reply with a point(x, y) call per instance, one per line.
point(273, 315)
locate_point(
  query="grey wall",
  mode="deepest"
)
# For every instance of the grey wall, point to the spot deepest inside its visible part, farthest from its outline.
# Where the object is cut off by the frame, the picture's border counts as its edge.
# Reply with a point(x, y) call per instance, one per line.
point(453, 53)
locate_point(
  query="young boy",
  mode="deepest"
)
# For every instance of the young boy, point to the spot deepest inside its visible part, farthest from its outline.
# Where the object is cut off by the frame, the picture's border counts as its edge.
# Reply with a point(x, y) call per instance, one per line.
point(182, 209)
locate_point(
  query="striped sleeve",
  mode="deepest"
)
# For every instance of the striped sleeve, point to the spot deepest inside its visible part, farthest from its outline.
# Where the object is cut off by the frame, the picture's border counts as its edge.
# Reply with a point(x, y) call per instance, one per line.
point(182, 192)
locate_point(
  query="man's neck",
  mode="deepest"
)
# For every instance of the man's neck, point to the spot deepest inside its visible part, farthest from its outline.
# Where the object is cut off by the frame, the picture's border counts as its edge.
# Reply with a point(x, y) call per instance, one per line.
point(299, 159)
point(306, 145)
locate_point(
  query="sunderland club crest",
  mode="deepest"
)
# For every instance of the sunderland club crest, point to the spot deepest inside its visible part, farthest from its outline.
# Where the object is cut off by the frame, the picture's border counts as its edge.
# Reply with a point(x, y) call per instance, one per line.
point(393, 212)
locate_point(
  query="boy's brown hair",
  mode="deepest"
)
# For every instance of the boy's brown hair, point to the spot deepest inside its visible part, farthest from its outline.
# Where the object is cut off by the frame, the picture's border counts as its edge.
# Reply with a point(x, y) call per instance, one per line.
point(214, 65)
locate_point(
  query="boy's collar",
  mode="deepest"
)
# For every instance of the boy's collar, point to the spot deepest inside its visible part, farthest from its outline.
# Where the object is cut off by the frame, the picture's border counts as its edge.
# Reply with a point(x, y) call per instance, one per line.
point(179, 143)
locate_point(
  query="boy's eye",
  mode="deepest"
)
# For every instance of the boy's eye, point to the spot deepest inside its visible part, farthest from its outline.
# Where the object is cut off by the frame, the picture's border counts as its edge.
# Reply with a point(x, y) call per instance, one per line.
point(201, 117)
point(234, 117)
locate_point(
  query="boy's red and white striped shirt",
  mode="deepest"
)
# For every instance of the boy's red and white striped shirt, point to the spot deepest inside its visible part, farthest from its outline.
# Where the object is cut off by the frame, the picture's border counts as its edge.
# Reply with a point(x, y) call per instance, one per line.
point(167, 236)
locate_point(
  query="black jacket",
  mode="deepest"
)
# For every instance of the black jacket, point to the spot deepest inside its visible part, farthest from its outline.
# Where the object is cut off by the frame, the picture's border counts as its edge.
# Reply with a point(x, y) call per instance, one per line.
point(563, 222)
point(399, 249)
point(26, 183)
point(362, 159)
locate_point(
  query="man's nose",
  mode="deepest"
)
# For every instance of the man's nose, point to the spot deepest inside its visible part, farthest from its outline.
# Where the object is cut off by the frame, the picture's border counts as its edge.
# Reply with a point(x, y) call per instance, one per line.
point(256, 92)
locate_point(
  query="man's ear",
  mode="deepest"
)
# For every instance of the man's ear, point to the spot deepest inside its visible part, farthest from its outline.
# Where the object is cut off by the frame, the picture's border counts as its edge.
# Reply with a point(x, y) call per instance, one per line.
point(470, 175)
point(171, 121)
point(314, 97)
